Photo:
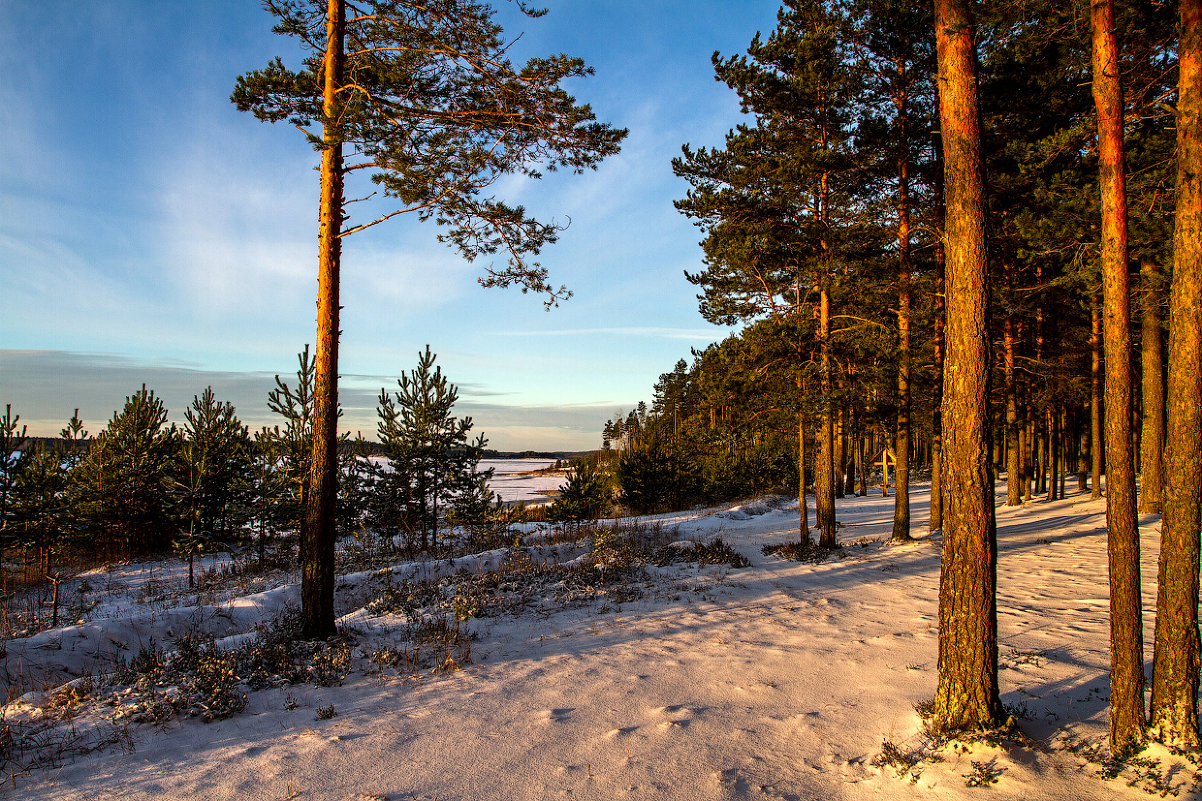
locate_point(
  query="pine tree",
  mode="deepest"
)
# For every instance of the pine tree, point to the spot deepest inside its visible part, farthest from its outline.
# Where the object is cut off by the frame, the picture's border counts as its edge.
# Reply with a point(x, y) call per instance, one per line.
point(12, 440)
point(40, 513)
point(122, 482)
point(967, 695)
point(483, 515)
point(431, 459)
point(1127, 722)
point(584, 497)
point(774, 201)
point(286, 452)
point(425, 94)
point(895, 48)
point(39, 507)
point(1177, 650)
point(213, 471)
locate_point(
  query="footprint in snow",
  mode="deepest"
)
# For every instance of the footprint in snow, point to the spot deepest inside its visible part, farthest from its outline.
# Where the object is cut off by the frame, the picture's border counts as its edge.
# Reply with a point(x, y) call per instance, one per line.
point(682, 723)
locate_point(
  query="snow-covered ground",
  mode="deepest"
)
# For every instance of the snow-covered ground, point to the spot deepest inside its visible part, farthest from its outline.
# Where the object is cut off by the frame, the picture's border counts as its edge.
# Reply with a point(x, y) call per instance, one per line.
point(782, 680)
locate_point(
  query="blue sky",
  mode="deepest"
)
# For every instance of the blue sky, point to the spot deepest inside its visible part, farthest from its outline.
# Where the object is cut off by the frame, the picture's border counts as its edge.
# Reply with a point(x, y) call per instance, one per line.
point(150, 232)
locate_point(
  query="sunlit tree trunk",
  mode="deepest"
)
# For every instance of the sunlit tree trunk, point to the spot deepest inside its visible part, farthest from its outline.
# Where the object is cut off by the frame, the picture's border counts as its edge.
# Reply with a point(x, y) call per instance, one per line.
point(901, 501)
point(967, 695)
point(824, 474)
point(1053, 424)
point(840, 457)
point(317, 582)
point(1177, 650)
point(1127, 715)
point(1082, 452)
point(1095, 399)
point(1151, 441)
point(936, 515)
point(1014, 451)
point(1026, 440)
point(803, 527)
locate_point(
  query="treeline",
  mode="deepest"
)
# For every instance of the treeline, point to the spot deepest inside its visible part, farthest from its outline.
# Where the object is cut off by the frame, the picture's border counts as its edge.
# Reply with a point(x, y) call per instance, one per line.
point(726, 426)
point(144, 487)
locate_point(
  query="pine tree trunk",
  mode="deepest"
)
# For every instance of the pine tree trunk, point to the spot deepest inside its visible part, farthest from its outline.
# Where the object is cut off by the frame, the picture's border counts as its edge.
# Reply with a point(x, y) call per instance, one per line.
point(1151, 442)
point(1095, 400)
point(1082, 452)
point(1064, 430)
point(1177, 650)
point(1045, 445)
point(853, 438)
point(1053, 416)
point(803, 526)
point(824, 474)
point(317, 580)
point(1014, 468)
point(861, 467)
point(936, 515)
point(967, 696)
point(901, 502)
point(1028, 447)
point(1127, 715)
point(840, 454)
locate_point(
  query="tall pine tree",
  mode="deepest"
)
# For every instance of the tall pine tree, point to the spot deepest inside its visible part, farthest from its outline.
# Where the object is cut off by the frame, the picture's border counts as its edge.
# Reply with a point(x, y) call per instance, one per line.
point(424, 97)
point(775, 201)
point(967, 695)
point(1177, 650)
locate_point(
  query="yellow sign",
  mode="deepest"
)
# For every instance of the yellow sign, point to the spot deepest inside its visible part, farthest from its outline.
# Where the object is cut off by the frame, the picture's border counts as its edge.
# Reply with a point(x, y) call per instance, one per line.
point(886, 459)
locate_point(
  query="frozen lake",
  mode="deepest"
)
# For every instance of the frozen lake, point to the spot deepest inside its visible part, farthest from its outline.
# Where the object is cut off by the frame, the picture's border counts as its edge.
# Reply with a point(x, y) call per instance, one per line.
point(517, 479)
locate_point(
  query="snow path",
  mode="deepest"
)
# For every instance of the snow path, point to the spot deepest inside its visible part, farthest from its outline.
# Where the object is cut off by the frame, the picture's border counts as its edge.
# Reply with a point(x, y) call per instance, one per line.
point(778, 681)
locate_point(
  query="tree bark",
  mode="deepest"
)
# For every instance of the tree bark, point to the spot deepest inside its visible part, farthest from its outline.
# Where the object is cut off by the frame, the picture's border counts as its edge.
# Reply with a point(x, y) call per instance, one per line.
point(853, 437)
point(936, 515)
point(1095, 399)
point(967, 695)
point(901, 501)
point(803, 527)
point(840, 457)
point(1027, 442)
point(317, 580)
point(1151, 441)
point(1127, 715)
point(1177, 648)
point(1053, 423)
point(1014, 451)
point(824, 474)
point(1082, 452)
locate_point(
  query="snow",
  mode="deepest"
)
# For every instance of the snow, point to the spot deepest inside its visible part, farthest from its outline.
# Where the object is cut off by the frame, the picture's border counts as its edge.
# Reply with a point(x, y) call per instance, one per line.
point(782, 680)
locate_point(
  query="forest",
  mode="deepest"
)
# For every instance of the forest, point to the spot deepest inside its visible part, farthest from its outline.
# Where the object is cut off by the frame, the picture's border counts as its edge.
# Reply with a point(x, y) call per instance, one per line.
point(866, 265)
point(959, 245)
